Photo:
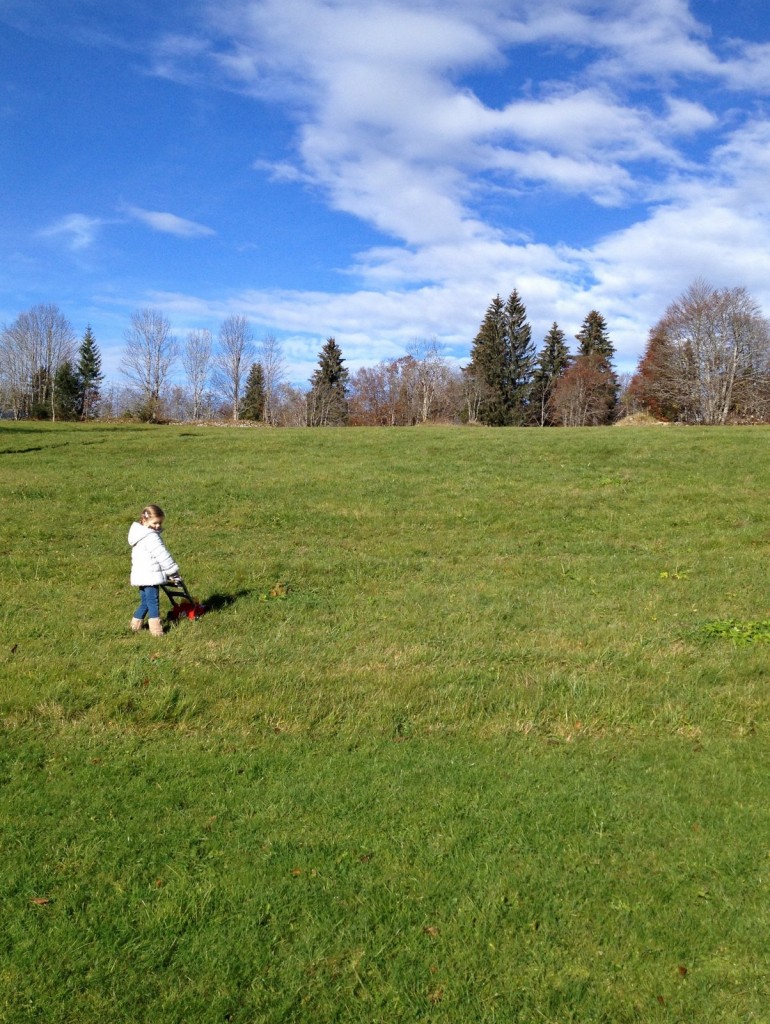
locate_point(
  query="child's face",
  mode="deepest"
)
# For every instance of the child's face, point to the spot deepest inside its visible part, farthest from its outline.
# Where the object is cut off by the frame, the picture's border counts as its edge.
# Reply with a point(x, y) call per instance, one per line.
point(154, 523)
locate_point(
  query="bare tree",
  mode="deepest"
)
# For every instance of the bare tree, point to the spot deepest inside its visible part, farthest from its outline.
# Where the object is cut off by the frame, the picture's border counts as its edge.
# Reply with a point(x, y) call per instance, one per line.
point(232, 361)
point(115, 401)
point(196, 360)
point(32, 350)
point(270, 356)
point(581, 396)
point(709, 357)
point(406, 391)
point(290, 406)
point(432, 377)
point(368, 396)
point(15, 373)
point(149, 355)
point(475, 392)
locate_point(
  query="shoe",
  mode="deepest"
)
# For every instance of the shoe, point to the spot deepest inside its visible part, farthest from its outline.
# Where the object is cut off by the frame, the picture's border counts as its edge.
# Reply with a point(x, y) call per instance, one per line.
point(156, 627)
point(136, 625)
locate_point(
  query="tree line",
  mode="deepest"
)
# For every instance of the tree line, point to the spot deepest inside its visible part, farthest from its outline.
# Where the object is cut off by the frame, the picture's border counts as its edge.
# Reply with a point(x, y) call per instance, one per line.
point(707, 361)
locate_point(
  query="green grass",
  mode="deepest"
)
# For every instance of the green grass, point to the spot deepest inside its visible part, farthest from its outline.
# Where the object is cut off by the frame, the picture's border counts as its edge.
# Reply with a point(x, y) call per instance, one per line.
point(476, 729)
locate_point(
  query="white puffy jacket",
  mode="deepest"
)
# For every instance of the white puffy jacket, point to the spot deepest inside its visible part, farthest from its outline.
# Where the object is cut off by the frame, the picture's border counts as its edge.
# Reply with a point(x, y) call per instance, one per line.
point(151, 563)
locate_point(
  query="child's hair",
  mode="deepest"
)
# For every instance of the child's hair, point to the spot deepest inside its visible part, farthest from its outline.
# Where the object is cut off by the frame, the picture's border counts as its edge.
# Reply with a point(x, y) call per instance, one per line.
point(153, 511)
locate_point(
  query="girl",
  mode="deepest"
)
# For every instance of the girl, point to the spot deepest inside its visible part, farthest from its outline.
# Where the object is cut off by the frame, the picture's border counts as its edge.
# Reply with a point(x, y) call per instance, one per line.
point(151, 565)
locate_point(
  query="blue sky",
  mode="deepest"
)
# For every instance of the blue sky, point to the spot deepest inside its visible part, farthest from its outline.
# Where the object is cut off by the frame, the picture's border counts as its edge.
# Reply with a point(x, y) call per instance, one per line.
point(378, 171)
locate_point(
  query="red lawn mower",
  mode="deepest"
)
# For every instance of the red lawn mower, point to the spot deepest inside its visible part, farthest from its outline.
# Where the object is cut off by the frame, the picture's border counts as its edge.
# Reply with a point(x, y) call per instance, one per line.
point(183, 604)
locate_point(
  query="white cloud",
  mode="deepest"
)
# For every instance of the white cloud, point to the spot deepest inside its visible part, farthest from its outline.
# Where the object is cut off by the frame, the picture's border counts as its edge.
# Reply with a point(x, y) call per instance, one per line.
point(623, 107)
point(77, 229)
point(169, 223)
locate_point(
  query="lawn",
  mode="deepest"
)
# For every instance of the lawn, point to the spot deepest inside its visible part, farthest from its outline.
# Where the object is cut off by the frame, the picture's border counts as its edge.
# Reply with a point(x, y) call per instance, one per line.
point(476, 727)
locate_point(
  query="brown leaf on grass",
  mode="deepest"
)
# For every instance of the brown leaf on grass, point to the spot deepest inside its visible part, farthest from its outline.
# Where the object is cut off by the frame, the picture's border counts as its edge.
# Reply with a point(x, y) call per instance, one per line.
point(155, 656)
point(436, 995)
point(661, 1000)
point(682, 970)
point(40, 901)
point(431, 931)
point(296, 872)
point(145, 681)
point(158, 883)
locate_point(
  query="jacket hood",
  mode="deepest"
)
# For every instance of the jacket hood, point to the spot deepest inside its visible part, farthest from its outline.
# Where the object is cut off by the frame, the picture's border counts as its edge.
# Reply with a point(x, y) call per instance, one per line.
point(137, 532)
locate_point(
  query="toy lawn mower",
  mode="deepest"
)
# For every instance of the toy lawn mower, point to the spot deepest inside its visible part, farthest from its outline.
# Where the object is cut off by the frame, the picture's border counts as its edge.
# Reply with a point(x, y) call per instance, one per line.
point(183, 604)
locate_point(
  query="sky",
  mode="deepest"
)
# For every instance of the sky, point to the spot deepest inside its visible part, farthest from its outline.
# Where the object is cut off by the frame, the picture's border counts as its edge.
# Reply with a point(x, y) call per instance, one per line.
point(377, 170)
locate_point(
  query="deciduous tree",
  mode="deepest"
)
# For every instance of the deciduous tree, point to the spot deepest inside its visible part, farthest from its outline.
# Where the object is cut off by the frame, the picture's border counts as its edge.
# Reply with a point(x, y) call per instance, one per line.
point(270, 356)
point(236, 348)
point(31, 351)
point(581, 396)
point(196, 361)
point(148, 357)
point(708, 358)
point(433, 381)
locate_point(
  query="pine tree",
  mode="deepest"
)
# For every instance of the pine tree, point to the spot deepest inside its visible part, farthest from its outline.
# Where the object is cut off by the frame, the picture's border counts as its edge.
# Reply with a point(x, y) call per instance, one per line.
point(66, 392)
point(489, 366)
point(327, 400)
point(502, 360)
point(552, 361)
point(90, 376)
point(253, 407)
point(521, 357)
point(594, 338)
point(597, 351)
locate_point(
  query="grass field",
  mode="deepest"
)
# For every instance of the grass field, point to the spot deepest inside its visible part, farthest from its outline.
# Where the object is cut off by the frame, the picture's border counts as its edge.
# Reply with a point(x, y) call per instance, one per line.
point(475, 730)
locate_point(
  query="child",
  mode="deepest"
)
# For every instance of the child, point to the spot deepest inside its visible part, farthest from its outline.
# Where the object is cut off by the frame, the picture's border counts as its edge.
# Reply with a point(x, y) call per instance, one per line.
point(151, 565)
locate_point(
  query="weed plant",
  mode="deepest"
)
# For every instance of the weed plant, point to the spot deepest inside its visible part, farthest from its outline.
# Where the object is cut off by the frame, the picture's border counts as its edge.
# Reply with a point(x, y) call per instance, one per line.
point(466, 734)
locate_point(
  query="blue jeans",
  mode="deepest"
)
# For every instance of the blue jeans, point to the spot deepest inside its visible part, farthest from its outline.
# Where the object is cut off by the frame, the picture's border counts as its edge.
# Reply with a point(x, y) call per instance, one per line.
point(149, 604)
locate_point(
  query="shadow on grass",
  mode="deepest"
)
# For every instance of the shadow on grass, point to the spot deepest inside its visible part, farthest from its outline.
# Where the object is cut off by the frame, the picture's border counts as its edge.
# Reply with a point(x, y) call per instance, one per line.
point(218, 602)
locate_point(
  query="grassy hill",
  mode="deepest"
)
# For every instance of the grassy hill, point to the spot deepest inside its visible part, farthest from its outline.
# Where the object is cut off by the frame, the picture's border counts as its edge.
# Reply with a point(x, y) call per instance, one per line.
point(475, 729)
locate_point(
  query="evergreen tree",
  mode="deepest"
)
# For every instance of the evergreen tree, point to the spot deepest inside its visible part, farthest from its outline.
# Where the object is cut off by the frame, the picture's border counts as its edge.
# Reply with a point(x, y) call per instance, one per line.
point(489, 365)
point(596, 348)
point(90, 376)
point(553, 360)
point(253, 407)
point(521, 356)
point(66, 392)
point(593, 337)
point(328, 397)
point(502, 358)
